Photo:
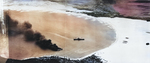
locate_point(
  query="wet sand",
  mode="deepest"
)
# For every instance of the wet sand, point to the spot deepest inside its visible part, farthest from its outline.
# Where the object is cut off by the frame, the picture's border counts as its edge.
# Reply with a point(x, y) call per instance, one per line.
point(61, 29)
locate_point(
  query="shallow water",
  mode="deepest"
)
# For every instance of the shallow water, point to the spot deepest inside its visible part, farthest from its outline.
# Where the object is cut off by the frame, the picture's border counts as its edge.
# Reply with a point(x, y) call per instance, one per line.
point(61, 29)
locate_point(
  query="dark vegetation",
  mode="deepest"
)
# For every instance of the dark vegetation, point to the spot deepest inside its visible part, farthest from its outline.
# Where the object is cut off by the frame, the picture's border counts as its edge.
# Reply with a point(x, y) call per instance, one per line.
point(25, 29)
point(100, 14)
point(142, 1)
point(55, 59)
point(103, 8)
point(109, 1)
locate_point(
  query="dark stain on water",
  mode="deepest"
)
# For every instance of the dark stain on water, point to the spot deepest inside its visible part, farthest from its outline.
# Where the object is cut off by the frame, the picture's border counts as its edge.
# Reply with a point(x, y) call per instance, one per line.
point(127, 37)
point(148, 20)
point(147, 43)
point(125, 42)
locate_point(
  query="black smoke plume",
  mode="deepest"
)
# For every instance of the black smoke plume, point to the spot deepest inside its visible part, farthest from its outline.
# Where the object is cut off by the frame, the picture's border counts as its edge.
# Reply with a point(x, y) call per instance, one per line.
point(15, 28)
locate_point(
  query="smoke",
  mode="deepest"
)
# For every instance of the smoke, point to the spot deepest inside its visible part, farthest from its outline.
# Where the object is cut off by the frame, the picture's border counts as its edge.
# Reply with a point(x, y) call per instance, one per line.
point(15, 28)
point(30, 35)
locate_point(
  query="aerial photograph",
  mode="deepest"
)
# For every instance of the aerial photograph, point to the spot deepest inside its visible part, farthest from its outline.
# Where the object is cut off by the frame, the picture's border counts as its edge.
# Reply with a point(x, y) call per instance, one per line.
point(74, 31)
